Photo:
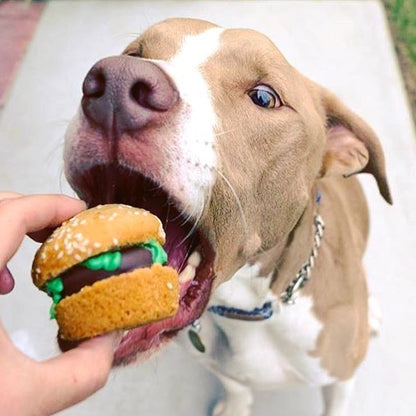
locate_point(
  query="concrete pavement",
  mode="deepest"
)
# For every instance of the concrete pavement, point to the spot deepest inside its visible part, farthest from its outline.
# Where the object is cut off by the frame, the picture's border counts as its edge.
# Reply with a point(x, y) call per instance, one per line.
point(343, 45)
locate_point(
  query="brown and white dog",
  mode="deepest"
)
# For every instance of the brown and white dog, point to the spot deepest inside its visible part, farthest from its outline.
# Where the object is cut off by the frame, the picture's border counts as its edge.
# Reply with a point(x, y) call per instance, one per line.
point(217, 134)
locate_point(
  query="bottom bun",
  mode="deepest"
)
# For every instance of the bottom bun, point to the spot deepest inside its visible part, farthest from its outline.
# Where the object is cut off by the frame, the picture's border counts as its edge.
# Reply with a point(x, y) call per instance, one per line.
point(119, 302)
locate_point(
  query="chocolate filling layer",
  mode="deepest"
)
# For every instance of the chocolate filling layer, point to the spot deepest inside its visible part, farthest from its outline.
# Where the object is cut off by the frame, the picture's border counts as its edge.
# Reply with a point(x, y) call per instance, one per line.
point(79, 276)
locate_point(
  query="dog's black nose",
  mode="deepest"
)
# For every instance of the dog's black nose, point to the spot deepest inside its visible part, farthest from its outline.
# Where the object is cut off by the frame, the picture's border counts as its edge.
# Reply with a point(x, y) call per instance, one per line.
point(126, 93)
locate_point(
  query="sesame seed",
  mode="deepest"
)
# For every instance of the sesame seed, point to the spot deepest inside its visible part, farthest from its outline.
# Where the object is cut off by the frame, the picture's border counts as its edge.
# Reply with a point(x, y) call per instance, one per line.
point(115, 241)
point(60, 254)
point(101, 217)
point(169, 285)
point(97, 245)
point(83, 222)
point(43, 256)
point(37, 270)
point(56, 247)
point(77, 257)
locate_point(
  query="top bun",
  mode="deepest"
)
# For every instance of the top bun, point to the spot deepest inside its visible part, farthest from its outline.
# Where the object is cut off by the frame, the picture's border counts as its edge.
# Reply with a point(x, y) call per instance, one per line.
point(92, 232)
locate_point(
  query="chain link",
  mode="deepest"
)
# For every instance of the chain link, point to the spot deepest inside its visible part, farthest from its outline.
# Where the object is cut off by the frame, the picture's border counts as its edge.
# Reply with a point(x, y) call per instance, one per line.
point(290, 294)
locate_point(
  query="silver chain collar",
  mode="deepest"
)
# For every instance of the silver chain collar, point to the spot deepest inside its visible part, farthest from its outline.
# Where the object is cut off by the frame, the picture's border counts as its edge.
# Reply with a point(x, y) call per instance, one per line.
point(290, 294)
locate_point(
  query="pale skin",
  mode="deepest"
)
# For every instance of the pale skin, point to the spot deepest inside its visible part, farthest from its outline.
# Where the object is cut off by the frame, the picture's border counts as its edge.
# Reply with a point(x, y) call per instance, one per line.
point(36, 388)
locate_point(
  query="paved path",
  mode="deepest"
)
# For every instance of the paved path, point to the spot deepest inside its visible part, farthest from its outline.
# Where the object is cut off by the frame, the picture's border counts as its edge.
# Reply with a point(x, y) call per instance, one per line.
point(343, 45)
point(18, 21)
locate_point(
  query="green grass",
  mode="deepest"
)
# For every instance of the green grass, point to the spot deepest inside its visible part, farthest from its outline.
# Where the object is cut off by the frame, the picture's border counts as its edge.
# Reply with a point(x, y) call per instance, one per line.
point(402, 19)
point(402, 14)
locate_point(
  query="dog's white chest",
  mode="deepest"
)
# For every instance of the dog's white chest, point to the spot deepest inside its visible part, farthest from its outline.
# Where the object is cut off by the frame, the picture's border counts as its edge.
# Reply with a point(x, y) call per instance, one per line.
point(264, 354)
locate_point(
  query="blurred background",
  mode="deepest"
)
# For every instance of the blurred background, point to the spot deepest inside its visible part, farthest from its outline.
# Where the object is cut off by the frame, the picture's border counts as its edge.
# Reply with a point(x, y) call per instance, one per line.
point(365, 51)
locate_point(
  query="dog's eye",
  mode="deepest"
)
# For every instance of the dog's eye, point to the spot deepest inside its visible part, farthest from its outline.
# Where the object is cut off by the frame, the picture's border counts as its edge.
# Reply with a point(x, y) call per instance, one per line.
point(264, 96)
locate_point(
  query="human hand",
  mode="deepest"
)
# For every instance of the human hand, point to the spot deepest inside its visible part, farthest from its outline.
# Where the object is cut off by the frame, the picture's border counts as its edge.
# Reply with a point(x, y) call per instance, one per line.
point(36, 388)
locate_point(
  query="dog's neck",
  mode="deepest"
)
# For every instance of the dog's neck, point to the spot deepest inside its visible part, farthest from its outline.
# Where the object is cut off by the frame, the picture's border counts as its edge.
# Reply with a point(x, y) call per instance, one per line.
point(285, 260)
point(274, 269)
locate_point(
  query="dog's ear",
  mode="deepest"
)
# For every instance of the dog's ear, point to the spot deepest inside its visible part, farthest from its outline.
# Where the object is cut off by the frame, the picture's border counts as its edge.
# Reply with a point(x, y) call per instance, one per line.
point(352, 146)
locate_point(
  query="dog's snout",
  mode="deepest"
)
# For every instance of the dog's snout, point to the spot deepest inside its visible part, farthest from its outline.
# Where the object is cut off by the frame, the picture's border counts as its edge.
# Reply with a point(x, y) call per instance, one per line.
point(126, 93)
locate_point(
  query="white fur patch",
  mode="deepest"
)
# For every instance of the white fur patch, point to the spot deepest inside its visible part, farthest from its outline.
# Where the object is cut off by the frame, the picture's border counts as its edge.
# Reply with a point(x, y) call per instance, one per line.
point(195, 145)
point(263, 354)
point(246, 290)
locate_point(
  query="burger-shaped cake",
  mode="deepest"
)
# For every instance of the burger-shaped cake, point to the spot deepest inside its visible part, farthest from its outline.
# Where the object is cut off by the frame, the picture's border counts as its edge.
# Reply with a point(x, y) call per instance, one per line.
point(104, 270)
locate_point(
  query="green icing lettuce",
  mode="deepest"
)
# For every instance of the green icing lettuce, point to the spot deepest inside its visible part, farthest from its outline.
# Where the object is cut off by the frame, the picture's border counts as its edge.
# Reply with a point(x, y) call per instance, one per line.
point(158, 253)
point(107, 261)
point(54, 289)
point(112, 259)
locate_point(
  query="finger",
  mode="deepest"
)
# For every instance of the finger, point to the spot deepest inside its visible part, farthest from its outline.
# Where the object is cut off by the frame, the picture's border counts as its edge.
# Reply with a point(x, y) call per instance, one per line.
point(26, 214)
point(9, 195)
point(75, 375)
point(4, 338)
point(6, 281)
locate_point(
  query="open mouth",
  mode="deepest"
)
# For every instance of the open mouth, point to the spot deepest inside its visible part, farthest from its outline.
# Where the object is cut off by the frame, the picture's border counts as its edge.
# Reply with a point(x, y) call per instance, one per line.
point(189, 251)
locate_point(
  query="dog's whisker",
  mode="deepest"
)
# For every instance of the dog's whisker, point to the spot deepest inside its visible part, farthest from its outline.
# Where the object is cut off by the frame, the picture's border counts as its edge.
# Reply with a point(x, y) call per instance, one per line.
point(195, 225)
point(223, 133)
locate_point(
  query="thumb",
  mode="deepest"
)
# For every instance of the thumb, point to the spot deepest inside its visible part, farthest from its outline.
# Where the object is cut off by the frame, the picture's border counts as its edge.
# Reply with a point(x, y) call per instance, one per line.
point(76, 374)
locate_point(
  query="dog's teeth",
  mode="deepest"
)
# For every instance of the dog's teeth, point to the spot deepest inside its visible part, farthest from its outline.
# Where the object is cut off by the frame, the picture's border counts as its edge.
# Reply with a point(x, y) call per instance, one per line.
point(195, 259)
point(187, 274)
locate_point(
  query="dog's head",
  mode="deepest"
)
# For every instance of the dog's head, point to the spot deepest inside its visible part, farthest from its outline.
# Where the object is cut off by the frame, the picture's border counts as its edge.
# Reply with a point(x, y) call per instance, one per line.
point(217, 134)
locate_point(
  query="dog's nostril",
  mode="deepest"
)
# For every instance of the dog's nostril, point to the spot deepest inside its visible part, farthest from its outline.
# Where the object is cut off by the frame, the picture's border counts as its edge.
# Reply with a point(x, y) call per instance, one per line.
point(94, 85)
point(140, 92)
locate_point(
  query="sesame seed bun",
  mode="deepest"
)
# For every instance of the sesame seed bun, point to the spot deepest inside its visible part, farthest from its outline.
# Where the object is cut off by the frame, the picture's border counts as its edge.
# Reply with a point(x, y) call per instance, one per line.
point(120, 301)
point(91, 232)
